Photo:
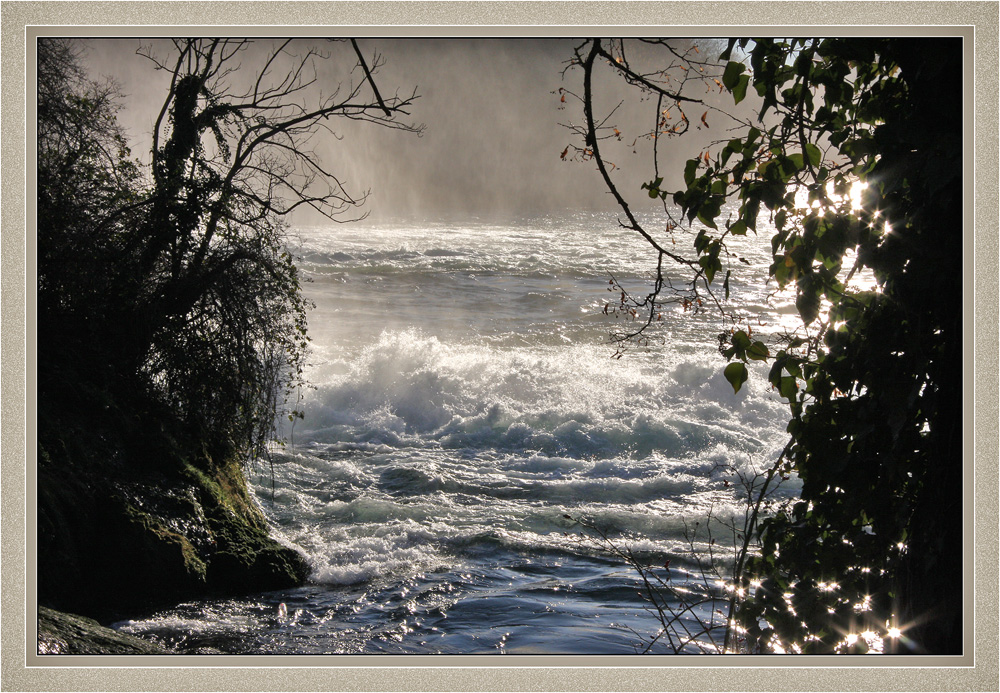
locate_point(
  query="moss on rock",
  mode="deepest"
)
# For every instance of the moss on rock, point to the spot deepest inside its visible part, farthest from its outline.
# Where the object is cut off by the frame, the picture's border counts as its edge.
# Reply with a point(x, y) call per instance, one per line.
point(132, 516)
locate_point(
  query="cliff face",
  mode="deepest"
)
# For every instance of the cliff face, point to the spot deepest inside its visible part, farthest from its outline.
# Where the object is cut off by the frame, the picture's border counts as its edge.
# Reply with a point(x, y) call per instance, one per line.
point(134, 514)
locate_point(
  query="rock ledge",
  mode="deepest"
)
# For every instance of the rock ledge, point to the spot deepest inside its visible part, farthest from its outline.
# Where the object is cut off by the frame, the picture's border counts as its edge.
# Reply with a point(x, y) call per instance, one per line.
point(60, 633)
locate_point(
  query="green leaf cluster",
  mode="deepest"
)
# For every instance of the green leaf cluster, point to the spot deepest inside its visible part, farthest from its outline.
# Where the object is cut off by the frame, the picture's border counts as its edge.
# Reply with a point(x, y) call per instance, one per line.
point(745, 351)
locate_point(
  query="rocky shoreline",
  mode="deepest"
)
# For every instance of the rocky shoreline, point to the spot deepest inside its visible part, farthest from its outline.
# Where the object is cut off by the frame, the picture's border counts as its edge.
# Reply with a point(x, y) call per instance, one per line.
point(68, 634)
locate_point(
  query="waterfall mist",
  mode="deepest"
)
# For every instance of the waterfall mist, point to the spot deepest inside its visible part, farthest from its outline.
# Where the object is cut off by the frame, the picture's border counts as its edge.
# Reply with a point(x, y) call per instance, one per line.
point(496, 124)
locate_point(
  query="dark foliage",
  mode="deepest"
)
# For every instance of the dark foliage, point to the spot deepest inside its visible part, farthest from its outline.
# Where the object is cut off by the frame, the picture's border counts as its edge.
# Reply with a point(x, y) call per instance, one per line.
point(873, 377)
point(877, 425)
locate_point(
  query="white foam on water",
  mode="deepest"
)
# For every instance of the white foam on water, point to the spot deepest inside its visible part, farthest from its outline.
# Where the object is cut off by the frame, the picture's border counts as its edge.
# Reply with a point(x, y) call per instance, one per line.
point(406, 551)
point(467, 412)
point(412, 389)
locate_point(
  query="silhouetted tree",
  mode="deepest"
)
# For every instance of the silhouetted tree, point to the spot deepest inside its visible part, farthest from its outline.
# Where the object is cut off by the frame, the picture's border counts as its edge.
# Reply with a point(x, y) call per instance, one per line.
point(177, 278)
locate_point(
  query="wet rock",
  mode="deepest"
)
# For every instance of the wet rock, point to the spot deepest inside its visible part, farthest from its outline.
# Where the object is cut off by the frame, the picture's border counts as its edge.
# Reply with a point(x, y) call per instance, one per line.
point(134, 516)
point(61, 633)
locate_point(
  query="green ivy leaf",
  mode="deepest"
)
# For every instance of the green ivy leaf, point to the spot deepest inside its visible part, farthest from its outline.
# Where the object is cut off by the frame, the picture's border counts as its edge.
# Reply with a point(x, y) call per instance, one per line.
point(710, 263)
point(732, 74)
point(701, 241)
point(740, 90)
point(690, 169)
point(788, 387)
point(807, 302)
point(813, 154)
point(736, 374)
point(758, 351)
point(705, 219)
point(653, 187)
point(779, 219)
point(741, 340)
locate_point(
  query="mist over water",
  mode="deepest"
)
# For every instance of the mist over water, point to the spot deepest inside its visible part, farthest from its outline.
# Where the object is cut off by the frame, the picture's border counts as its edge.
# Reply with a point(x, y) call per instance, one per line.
point(466, 410)
point(495, 124)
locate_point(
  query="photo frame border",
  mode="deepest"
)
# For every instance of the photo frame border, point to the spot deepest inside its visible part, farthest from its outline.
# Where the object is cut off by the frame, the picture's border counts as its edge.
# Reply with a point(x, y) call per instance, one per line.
point(23, 669)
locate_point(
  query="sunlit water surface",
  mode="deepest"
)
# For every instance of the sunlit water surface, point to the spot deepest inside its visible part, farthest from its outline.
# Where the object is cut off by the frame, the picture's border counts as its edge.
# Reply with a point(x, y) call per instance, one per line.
point(467, 411)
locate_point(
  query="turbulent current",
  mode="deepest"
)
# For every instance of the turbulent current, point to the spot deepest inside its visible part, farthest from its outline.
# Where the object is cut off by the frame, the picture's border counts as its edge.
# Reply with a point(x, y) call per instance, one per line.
point(467, 410)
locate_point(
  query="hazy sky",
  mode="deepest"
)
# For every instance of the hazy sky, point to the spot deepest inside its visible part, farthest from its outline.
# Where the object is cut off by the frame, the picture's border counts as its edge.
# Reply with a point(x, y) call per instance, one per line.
point(494, 128)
